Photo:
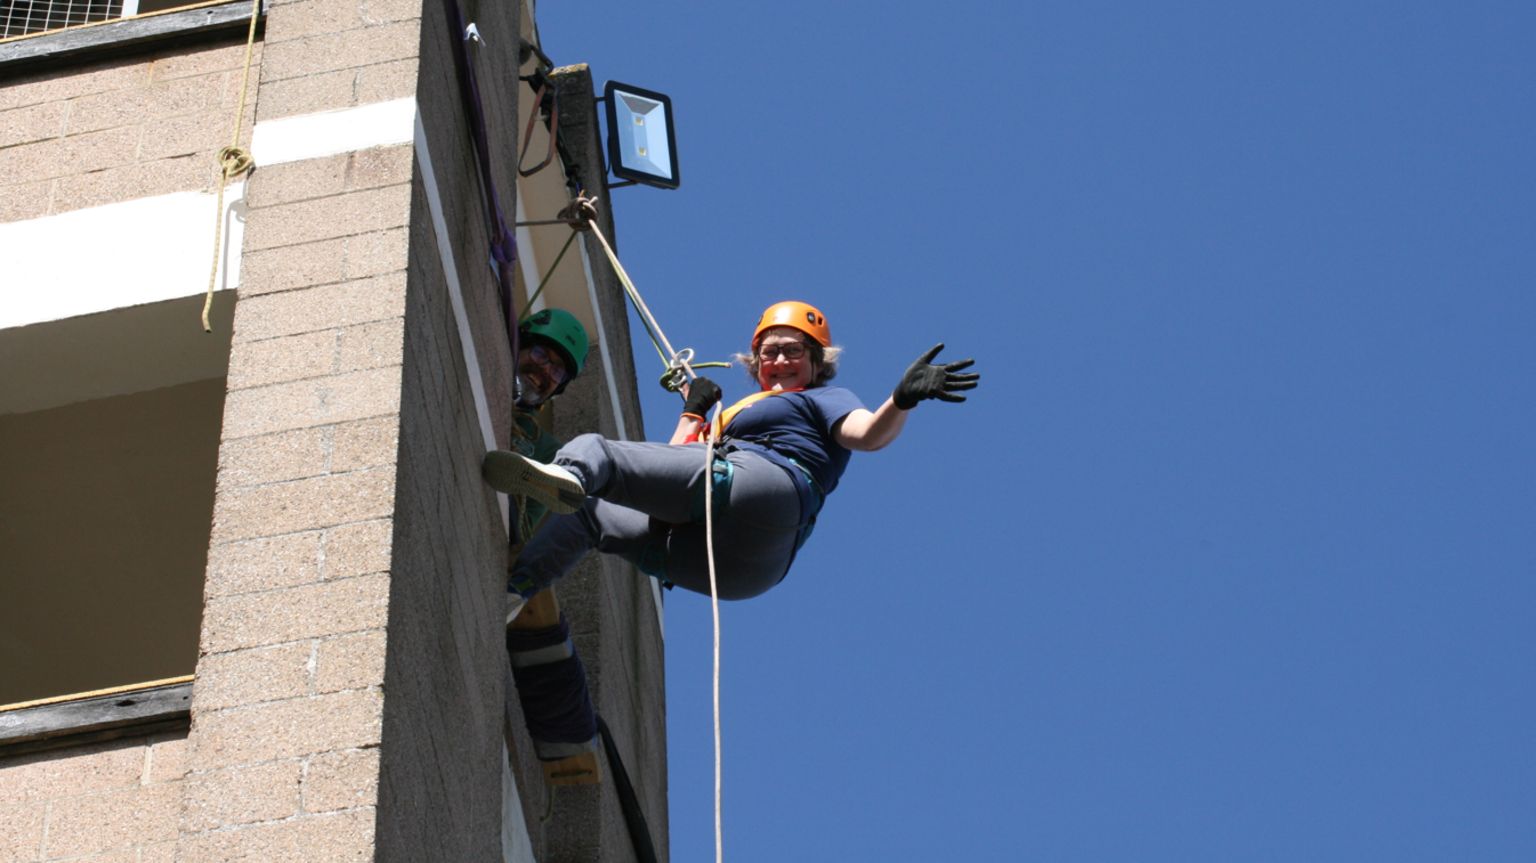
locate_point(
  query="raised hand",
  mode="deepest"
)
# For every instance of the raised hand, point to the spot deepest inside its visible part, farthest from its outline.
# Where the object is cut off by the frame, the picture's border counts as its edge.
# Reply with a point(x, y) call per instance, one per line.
point(928, 380)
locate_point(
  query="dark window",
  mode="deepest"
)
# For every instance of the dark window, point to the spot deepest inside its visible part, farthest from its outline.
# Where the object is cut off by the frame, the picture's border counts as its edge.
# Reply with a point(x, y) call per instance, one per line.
point(109, 434)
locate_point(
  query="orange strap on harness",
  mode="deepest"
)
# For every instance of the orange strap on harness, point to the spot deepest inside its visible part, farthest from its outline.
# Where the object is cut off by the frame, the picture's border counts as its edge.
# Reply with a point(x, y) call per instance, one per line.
point(730, 413)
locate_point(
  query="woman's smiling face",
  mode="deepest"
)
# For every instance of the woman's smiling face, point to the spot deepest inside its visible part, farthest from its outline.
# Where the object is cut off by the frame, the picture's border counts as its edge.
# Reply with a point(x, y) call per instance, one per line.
point(776, 369)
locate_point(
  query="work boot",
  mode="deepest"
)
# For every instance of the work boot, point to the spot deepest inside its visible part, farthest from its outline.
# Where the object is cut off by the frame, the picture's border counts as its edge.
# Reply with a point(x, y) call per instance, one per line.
point(554, 486)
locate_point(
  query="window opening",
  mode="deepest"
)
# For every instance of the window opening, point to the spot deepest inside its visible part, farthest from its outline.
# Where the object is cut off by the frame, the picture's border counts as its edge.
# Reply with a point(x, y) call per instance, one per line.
point(109, 448)
point(28, 17)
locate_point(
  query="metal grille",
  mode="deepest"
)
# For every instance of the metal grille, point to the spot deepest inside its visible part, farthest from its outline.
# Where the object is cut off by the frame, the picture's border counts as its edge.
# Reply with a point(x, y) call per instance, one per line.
point(20, 17)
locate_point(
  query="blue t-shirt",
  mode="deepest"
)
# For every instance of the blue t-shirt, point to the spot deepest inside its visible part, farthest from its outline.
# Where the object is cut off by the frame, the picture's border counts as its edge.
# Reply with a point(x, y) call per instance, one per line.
point(799, 425)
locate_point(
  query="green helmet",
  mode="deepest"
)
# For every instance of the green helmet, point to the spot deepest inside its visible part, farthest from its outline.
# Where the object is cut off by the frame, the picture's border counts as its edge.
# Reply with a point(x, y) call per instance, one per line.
point(561, 330)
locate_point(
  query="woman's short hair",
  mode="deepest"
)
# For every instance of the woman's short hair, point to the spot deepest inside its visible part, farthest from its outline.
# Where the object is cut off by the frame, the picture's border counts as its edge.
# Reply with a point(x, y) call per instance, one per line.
point(825, 360)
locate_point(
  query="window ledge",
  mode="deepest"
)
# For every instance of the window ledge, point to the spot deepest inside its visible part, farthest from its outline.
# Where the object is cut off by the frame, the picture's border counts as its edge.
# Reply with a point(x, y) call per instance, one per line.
point(90, 720)
point(89, 43)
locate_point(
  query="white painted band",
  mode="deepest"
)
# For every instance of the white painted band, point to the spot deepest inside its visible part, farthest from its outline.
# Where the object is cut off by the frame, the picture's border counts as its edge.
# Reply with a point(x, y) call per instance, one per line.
point(125, 254)
point(456, 299)
point(328, 133)
point(150, 249)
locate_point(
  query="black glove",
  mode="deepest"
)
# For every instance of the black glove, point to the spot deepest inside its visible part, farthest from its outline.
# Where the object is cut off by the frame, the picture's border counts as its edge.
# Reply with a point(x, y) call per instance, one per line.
point(702, 395)
point(925, 380)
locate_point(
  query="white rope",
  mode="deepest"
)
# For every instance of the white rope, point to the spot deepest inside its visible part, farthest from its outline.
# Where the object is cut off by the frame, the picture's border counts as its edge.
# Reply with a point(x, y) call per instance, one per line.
point(680, 359)
point(714, 607)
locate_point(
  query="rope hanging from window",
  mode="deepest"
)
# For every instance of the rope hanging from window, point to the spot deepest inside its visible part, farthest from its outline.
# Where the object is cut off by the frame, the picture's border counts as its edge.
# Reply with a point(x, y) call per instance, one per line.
point(234, 161)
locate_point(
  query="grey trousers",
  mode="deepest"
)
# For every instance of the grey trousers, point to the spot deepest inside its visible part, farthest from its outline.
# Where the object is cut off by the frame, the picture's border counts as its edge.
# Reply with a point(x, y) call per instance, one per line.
point(645, 506)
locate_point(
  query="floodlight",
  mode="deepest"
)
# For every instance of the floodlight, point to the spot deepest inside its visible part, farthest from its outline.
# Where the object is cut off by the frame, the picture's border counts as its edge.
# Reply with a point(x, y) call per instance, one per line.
point(640, 145)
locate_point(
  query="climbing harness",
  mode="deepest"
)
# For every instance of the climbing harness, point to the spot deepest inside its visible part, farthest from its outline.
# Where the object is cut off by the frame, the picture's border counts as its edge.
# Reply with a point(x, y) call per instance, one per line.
point(810, 494)
point(743, 404)
point(234, 161)
point(722, 473)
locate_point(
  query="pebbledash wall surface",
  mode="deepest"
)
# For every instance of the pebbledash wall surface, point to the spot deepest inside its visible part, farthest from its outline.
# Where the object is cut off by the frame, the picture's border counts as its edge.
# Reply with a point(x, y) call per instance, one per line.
point(349, 696)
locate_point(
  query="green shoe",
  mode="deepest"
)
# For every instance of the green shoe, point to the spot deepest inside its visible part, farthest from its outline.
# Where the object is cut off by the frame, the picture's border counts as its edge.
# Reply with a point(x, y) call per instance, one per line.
point(552, 485)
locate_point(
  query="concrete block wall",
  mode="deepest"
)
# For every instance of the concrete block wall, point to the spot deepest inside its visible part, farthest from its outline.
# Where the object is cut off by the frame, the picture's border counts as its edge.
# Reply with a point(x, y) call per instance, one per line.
point(440, 794)
point(288, 705)
point(118, 130)
point(330, 54)
point(118, 801)
point(442, 745)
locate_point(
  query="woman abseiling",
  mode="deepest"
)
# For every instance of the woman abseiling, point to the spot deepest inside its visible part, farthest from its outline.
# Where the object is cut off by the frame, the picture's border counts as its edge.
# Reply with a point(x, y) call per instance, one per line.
point(779, 453)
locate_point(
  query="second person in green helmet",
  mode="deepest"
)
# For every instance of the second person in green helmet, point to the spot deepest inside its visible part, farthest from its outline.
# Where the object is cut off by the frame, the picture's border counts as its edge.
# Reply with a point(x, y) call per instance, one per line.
point(552, 351)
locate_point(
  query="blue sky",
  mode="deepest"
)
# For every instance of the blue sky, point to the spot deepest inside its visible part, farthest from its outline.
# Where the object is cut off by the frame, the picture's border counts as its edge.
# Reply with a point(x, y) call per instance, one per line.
point(1231, 555)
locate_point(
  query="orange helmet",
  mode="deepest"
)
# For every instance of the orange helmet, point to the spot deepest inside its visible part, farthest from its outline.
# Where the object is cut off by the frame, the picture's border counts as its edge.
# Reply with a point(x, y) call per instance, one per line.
point(801, 316)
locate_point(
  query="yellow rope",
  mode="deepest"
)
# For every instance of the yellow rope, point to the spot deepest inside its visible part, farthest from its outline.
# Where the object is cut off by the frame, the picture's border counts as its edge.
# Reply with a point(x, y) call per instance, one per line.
point(233, 161)
point(544, 282)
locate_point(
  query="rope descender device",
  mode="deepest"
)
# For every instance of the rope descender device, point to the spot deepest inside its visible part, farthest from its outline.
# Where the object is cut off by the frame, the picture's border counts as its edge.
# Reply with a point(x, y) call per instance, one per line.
point(679, 371)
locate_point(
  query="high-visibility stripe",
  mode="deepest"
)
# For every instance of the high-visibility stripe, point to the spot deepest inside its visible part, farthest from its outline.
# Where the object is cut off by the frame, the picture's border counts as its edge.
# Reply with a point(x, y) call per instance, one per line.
point(543, 655)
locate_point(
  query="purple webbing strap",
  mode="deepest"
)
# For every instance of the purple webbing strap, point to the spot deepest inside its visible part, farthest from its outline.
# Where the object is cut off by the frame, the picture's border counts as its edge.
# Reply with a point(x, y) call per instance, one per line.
point(503, 243)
